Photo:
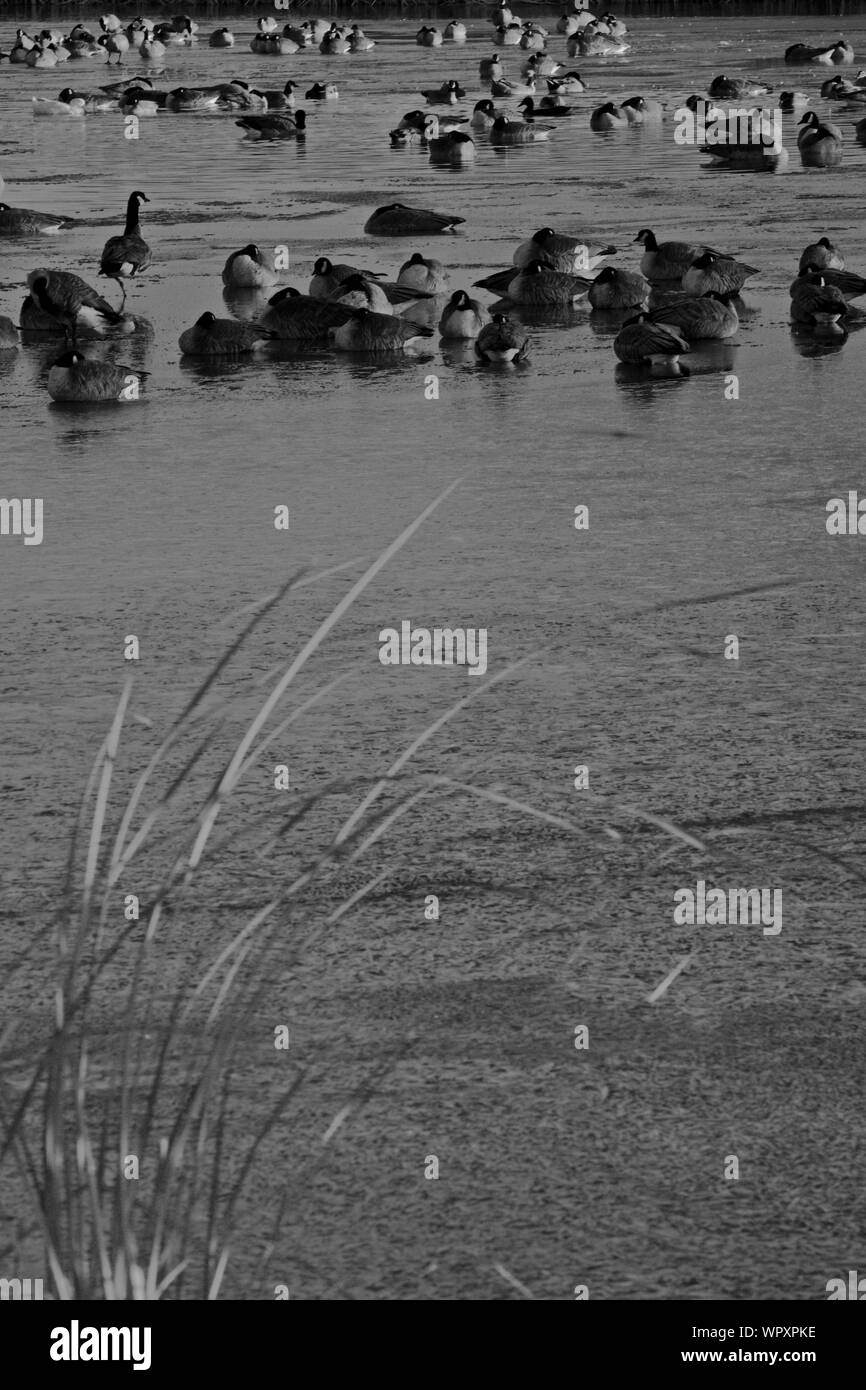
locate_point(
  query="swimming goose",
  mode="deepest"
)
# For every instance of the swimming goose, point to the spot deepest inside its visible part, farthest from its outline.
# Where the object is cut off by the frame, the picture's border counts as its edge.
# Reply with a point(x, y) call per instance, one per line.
point(537, 284)
point(213, 337)
point(369, 332)
point(92, 101)
point(124, 256)
point(221, 38)
point(531, 111)
point(817, 304)
point(759, 159)
point(23, 221)
point(399, 220)
point(840, 89)
point(300, 318)
point(248, 269)
point(704, 108)
point(281, 101)
point(590, 43)
point(238, 96)
point(722, 274)
point(820, 143)
point(74, 378)
point(358, 292)
point(667, 260)
point(359, 42)
point(569, 84)
point(73, 106)
point(508, 35)
point(732, 88)
point(455, 32)
point(532, 39)
point(711, 315)
point(463, 317)
point(455, 147)
point(447, 95)
point(618, 289)
point(279, 125)
point(70, 302)
point(834, 53)
point(500, 341)
point(418, 121)
point(642, 111)
point(322, 91)
point(505, 132)
point(607, 117)
point(483, 115)
point(640, 342)
point(569, 254)
point(421, 273)
point(8, 335)
point(191, 99)
point(428, 36)
point(21, 47)
point(502, 87)
point(491, 69)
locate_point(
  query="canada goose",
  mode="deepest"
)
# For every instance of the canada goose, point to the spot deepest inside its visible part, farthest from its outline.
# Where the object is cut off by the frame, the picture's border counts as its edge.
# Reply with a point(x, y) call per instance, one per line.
point(41, 56)
point(359, 42)
point(73, 106)
point(126, 84)
point(447, 95)
point(704, 108)
point(569, 254)
point(23, 221)
point(248, 269)
point(277, 125)
point(820, 143)
point(191, 99)
point(72, 377)
point(618, 289)
point(823, 254)
point(640, 342)
point(569, 84)
point(399, 220)
point(8, 335)
point(463, 317)
point(851, 285)
point(722, 274)
point(817, 304)
point(418, 121)
point(505, 132)
point(70, 302)
point(124, 256)
point(590, 43)
point(531, 40)
point(607, 117)
point(667, 260)
point(840, 89)
point(281, 101)
point(568, 24)
point(358, 292)
point(115, 45)
point(538, 285)
point(213, 337)
point(370, 332)
point(420, 273)
point(711, 315)
point(500, 341)
point(221, 38)
point(92, 101)
point(322, 91)
point(642, 111)
point(456, 147)
point(238, 96)
point(300, 318)
point(759, 159)
point(491, 69)
point(507, 35)
point(483, 115)
point(613, 26)
point(109, 23)
point(732, 88)
point(428, 36)
point(540, 65)
point(503, 87)
point(834, 53)
point(328, 277)
point(152, 48)
point(528, 107)
point(131, 105)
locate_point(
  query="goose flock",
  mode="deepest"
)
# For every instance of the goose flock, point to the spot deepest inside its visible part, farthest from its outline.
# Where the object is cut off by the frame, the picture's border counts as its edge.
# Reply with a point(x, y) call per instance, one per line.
point(674, 293)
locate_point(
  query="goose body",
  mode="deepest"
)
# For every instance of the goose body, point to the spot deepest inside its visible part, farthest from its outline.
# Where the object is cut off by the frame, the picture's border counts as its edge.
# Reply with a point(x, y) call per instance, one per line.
point(90, 101)
point(421, 273)
point(373, 333)
point(428, 36)
point(281, 100)
point(483, 115)
point(322, 91)
point(850, 285)
point(124, 256)
point(507, 35)
point(820, 143)
point(505, 132)
point(221, 38)
point(642, 111)
point(24, 221)
point(399, 220)
point(568, 254)
point(191, 99)
point(590, 43)
point(248, 269)
point(545, 111)
point(447, 95)
point(540, 65)
point(667, 260)
point(70, 302)
point(537, 284)
point(817, 304)
point(834, 53)
point(72, 378)
point(213, 337)
point(300, 318)
point(328, 277)
point(640, 342)
point(754, 158)
point(732, 88)
point(491, 69)
point(501, 341)
point(613, 288)
point(707, 316)
point(419, 122)
point(569, 84)
point(607, 117)
point(359, 292)
point(455, 32)
point(503, 87)
point(462, 317)
point(453, 148)
point(71, 106)
point(718, 274)
point(277, 125)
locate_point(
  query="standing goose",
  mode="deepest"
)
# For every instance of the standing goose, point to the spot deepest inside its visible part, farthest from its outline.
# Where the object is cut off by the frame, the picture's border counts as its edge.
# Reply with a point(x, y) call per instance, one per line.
point(500, 341)
point(70, 301)
point(721, 274)
point(641, 343)
point(712, 315)
point(74, 378)
point(419, 273)
point(276, 125)
point(124, 256)
point(370, 332)
point(23, 221)
point(618, 289)
point(399, 220)
point(248, 269)
point(463, 317)
point(569, 254)
point(213, 337)
point(667, 260)
point(823, 254)
point(820, 143)
point(299, 318)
